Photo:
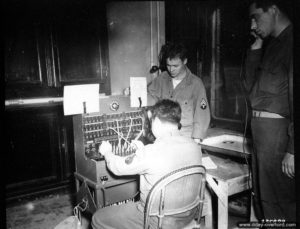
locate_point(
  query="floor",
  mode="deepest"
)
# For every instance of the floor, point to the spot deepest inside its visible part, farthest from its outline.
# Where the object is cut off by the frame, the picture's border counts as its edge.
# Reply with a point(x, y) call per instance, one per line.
point(48, 211)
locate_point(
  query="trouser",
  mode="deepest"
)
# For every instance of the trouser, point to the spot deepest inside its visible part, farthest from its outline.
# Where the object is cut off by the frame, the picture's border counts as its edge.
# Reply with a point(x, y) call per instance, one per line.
point(128, 216)
point(274, 189)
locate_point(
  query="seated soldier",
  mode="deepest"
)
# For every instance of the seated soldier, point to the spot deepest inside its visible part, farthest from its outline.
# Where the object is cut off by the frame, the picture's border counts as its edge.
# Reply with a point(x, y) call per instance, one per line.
point(170, 151)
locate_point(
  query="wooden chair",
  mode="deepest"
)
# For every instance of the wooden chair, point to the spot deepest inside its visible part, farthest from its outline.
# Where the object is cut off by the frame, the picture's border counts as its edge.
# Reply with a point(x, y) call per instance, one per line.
point(177, 192)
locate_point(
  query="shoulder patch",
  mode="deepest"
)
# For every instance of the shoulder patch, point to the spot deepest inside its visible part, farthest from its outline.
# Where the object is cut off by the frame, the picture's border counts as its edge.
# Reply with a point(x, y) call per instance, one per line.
point(129, 159)
point(203, 104)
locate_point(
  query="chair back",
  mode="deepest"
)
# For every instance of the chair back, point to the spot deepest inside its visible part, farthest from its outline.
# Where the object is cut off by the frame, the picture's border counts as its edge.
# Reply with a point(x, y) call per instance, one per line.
point(177, 192)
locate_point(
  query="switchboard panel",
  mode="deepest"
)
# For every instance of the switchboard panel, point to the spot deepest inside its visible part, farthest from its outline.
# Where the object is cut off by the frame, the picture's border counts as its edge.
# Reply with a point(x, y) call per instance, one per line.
point(119, 124)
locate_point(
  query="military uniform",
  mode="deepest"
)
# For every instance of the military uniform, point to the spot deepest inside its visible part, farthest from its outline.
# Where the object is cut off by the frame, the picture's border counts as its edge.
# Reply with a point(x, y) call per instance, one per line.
point(152, 162)
point(191, 95)
point(269, 82)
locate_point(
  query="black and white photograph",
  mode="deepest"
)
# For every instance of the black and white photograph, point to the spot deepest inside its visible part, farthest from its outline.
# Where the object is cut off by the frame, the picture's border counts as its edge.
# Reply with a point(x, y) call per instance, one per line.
point(149, 114)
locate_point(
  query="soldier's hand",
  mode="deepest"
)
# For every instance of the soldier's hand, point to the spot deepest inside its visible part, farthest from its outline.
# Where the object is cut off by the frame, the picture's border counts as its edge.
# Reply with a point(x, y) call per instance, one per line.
point(257, 44)
point(197, 140)
point(137, 144)
point(105, 148)
point(288, 165)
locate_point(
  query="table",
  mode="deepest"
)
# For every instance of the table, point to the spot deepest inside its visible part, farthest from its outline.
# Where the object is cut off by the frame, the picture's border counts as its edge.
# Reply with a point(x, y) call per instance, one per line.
point(229, 178)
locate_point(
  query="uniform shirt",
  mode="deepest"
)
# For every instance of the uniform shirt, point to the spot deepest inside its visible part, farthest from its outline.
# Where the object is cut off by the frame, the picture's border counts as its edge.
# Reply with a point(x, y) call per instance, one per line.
point(155, 160)
point(191, 95)
point(269, 78)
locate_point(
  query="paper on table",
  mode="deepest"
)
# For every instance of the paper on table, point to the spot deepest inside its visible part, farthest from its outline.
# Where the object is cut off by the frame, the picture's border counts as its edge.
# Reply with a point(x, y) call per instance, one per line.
point(76, 95)
point(138, 89)
point(208, 163)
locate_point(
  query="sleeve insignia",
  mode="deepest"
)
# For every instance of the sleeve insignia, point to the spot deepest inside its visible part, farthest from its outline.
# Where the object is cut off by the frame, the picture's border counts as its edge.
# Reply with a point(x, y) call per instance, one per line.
point(203, 104)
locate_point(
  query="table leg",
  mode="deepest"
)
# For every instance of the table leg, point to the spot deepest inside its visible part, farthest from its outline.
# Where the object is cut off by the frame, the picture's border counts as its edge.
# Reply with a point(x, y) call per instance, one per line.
point(223, 206)
point(208, 213)
point(77, 182)
point(252, 212)
point(220, 188)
